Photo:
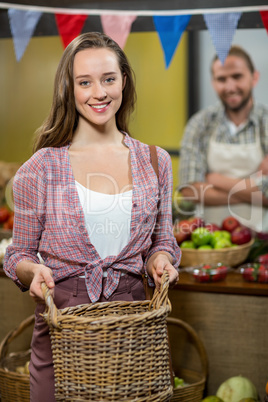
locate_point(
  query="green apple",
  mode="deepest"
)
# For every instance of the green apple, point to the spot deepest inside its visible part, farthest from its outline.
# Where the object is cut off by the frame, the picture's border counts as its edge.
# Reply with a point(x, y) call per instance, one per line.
point(201, 236)
point(187, 244)
point(220, 234)
point(212, 398)
point(205, 247)
point(178, 382)
point(222, 243)
point(227, 235)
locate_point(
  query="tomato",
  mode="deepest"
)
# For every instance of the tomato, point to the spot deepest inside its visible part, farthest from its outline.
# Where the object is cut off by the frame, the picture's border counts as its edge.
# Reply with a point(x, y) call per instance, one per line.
point(250, 274)
point(263, 274)
point(263, 258)
point(202, 276)
point(4, 214)
point(9, 223)
point(220, 274)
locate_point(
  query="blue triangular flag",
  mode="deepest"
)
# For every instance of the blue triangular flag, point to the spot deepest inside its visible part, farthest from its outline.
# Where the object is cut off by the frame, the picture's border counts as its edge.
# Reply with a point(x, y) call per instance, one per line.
point(170, 29)
point(22, 25)
point(222, 28)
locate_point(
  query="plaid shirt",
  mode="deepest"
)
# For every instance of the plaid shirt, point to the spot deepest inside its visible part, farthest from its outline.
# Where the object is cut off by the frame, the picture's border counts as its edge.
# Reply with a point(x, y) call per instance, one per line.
point(194, 147)
point(49, 219)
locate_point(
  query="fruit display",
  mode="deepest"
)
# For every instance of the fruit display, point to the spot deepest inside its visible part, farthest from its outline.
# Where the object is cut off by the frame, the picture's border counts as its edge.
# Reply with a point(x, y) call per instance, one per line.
point(194, 233)
point(184, 228)
point(254, 272)
point(210, 272)
point(241, 235)
point(263, 258)
point(237, 388)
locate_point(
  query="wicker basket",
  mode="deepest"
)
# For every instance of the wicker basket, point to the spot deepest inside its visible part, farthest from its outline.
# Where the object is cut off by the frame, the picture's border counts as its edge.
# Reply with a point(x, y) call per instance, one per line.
point(230, 256)
point(196, 380)
point(14, 387)
point(112, 351)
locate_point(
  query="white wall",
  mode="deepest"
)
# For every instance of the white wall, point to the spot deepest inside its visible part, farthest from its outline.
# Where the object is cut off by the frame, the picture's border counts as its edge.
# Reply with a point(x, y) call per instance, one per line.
point(255, 42)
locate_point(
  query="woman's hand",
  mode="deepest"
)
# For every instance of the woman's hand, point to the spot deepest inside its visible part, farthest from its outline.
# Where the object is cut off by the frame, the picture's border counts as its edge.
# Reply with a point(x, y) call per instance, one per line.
point(32, 275)
point(43, 274)
point(157, 264)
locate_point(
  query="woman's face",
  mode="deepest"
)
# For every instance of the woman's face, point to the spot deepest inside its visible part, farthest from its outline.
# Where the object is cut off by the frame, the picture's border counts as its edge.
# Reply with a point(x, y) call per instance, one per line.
point(98, 85)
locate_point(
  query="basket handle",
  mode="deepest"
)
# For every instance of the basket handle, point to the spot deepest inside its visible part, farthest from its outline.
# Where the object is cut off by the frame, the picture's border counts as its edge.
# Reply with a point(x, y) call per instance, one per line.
point(51, 313)
point(160, 297)
point(197, 341)
point(13, 334)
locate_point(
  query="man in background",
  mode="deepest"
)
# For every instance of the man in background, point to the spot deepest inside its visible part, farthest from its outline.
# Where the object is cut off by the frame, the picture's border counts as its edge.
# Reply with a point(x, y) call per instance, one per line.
point(222, 162)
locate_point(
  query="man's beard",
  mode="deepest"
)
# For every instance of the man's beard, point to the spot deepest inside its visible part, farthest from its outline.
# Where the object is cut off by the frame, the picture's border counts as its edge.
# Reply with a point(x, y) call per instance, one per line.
point(239, 107)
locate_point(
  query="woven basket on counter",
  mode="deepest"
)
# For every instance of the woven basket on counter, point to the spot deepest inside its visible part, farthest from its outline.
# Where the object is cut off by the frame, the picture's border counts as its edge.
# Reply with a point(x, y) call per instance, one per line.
point(112, 351)
point(195, 380)
point(231, 256)
point(14, 387)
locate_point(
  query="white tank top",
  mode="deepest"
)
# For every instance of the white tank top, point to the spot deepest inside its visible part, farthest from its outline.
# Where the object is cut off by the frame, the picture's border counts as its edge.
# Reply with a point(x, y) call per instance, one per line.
point(107, 219)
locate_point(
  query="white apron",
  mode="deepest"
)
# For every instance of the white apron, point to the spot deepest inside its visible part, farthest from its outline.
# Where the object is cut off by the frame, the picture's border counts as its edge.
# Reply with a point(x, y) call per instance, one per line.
point(237, 161)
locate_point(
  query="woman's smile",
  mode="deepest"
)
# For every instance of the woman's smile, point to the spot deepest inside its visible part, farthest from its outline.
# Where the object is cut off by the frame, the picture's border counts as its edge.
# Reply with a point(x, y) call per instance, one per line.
point(100, 107)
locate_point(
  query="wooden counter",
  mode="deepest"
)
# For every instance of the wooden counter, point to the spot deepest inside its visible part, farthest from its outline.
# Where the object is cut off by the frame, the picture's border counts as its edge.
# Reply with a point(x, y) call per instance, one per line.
point(231, 318)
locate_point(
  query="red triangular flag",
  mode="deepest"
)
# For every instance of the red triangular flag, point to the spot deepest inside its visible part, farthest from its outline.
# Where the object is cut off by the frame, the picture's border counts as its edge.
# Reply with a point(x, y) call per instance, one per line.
point(69, 26)
point(264, 17)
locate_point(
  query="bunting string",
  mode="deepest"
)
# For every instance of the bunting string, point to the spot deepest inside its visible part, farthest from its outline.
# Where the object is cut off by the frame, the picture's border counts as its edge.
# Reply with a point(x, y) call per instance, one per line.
point(138, 13)
point(170, 24)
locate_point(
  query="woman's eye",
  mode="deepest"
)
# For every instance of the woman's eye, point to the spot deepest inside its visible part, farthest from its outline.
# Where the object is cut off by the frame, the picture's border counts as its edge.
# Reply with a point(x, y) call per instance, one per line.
point(110, 79)
point(84, 83)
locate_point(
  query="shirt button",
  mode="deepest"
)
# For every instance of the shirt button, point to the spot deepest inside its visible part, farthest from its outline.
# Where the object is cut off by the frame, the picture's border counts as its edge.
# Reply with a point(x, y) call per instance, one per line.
point(134, 205)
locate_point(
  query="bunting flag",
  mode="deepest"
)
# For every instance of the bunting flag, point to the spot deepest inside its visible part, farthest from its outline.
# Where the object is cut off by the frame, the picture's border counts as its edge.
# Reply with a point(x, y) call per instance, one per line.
point(117, 27)
point(22, 25)
point(69, 26)
point(222, 28)
point(264, 17)
point(170, 30)
point(169, 24)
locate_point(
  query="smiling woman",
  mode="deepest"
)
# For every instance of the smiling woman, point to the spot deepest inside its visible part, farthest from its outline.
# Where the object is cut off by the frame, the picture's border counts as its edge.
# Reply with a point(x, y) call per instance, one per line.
point(88, 200)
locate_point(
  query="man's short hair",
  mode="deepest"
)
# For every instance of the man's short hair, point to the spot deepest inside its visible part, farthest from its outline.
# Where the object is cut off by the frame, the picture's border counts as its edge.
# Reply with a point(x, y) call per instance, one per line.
point(239, 52)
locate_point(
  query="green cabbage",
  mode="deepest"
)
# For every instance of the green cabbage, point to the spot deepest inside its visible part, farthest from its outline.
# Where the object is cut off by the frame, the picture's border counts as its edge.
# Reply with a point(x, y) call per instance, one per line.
point(236, 388)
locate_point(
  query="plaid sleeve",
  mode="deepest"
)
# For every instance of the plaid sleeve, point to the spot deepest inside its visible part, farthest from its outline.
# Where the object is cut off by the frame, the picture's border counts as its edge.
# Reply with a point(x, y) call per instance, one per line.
point(29, 199)
point(163, 238)
point(193, 152)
